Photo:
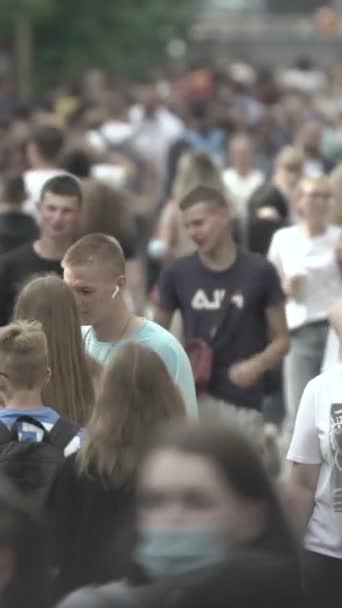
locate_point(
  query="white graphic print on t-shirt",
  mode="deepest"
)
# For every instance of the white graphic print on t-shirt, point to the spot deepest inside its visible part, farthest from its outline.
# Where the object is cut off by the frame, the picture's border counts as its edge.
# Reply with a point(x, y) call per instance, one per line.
point(201, 301)
point(336, 447)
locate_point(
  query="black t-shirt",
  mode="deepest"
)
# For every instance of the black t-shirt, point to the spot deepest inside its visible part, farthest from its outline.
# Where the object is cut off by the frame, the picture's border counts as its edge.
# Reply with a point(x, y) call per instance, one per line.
point(16, 267)
point(129, 248)
point(198, 292)
point(16, 228)
point(260, 231)
point(91, 526)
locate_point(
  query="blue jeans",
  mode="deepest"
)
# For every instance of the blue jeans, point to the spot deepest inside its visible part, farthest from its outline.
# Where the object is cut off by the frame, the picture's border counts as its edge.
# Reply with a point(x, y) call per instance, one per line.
point(303, 363)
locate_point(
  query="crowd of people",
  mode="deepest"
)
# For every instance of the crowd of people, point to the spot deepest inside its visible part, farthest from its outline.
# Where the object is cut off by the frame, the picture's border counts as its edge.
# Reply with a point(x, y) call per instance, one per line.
point(170, 329)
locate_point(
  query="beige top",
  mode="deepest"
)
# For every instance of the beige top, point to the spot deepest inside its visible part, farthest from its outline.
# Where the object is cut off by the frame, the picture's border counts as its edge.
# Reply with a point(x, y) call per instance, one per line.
point(172, 231)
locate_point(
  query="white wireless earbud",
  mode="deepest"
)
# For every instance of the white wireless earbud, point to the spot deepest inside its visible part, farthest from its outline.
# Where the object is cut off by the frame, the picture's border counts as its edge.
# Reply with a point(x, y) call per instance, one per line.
point(115, 292)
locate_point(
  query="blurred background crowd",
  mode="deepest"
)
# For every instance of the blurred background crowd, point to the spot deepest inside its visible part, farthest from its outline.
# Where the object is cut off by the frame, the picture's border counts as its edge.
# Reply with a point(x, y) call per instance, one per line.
point(156, 158)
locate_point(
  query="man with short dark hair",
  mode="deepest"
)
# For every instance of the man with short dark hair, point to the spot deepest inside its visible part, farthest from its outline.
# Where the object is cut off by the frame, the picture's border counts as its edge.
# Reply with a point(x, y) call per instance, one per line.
point(44, 148)
point(59, 208)
point(253, 337)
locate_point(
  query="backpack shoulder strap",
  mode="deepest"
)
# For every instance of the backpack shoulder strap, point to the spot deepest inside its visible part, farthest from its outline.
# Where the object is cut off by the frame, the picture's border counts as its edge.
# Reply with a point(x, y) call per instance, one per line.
point(6, 434)
point(63, 432)
point(28, 420)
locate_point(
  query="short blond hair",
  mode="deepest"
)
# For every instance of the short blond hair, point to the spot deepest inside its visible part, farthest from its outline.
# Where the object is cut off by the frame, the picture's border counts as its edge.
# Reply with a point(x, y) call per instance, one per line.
point(24, 354)
point(197, 169)
point(96, 248)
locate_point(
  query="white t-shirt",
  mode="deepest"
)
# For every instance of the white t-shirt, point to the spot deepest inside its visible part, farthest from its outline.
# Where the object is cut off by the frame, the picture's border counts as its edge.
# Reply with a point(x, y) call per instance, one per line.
point(112, 175)
point(317, 439)
point(154, 135)
point(314, 259)
point(241, 188)
point(308, 82)
point(35, 179)
point(332, 352)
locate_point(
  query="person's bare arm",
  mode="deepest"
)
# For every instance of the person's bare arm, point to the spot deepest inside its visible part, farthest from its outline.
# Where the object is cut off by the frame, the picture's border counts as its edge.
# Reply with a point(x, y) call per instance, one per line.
point(280, 341)
point(268, 213)
point(246, 373)
point(335, 318)
point(163, 317)
point(167, 227)
point(136, 284)
point(301, 494)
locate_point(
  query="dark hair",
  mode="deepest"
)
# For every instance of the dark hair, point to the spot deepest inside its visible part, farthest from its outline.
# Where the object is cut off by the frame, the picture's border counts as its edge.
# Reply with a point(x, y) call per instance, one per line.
point(107, 210)
point(49, 141)
point(13, 189)
point(22, 533)
point(63, 185)
point(203, 194)
point(267, 196)
point(77, 162)
point(22, 111)
point(198, 110)
point(241, 467)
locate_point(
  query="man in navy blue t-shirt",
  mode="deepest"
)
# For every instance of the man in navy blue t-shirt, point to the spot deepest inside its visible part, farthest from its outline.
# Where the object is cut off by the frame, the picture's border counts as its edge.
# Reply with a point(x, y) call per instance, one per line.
point(254, 336)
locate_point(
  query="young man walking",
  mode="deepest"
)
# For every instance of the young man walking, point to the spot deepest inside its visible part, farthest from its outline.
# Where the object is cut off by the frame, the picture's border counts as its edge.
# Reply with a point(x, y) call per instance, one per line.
point(253, 336)
point(94, 268)
point(59, 209)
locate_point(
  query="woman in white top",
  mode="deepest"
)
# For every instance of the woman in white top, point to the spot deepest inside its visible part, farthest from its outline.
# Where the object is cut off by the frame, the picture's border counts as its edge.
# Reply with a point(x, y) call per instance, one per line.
point(307, 258)
point(242, 178)
point(315, 487)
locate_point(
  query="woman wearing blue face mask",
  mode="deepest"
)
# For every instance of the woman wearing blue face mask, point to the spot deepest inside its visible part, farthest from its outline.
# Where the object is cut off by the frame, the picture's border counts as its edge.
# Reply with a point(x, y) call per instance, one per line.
point(91, 500)
point(204, 505)
point(203, 495)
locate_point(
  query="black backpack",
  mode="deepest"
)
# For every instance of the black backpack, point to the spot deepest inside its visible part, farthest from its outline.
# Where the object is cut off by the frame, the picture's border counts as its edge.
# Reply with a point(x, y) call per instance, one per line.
point(31, 465)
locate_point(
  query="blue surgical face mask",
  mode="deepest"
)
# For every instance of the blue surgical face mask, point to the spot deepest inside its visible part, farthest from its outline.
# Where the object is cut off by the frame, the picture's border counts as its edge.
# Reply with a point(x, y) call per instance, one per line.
point(170, 552)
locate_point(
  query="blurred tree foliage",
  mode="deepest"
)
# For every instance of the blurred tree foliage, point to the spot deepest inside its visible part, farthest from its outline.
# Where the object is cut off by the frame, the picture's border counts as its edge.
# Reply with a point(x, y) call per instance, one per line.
point(35, 10)
point(125, 36)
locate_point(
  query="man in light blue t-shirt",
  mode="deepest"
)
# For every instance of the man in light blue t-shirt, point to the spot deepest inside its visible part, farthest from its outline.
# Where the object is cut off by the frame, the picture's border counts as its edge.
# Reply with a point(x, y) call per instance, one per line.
point(94, 268)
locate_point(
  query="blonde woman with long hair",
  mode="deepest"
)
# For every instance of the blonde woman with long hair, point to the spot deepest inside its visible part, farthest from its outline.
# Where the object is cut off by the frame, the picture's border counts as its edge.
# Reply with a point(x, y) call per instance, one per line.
point(75, 377)
point(194, 169)
point(91, 502)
